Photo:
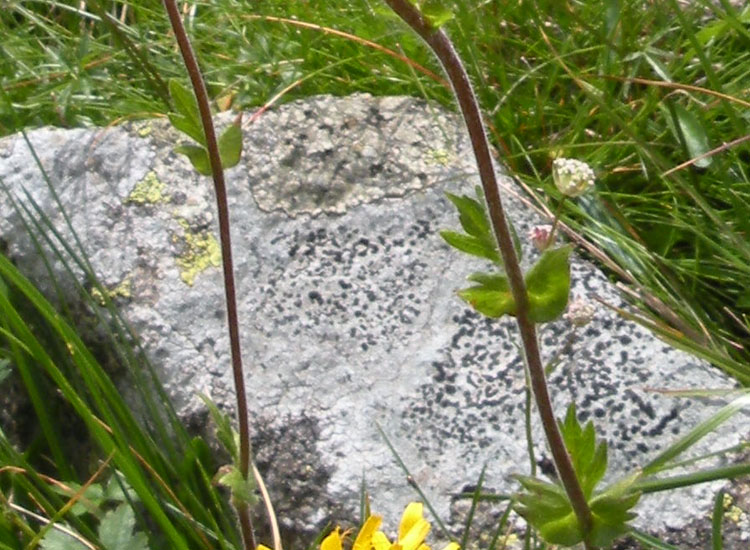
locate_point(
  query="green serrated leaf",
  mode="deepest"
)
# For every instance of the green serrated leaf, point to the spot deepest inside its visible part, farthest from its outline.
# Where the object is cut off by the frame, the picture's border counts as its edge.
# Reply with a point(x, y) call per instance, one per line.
point(230, 146)
point(90, 501)
point(546, 507)
point(188, 127)
point(226, 434)
point(610, 516)
point(57, 540)
point(548, 285)
point(118, 490)
point(479, 239)
point(470, 245)
point(563, 530)
point(198, 157)
point(614, 508)
point(540, 509)
point(116, 530)
point(603, 534)
point(589, 460)
point(436, 12)
point(243, 490)
point(541, 487)
point(492, 297)
point(471, 215)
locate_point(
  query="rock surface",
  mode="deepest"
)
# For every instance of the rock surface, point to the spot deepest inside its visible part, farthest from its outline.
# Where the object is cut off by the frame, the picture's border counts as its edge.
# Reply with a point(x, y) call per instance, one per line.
point(349, 318)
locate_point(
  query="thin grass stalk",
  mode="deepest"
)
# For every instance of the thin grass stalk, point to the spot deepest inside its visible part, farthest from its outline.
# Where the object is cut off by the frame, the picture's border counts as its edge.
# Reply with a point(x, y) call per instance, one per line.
point(696, 478)
point(717, 542)
point(441, 45)
point(201, 96)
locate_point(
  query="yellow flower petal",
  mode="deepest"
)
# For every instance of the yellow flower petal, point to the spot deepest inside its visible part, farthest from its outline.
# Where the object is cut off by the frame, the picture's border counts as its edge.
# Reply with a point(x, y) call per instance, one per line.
point(452, 546)
point(364, 538)
point(380, 541)
point(412, 514)
point(416, 535)
point(262, 547)
point(332, 541)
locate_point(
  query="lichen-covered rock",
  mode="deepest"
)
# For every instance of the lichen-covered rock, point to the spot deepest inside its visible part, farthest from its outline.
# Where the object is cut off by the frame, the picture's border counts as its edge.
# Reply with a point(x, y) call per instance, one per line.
point(348, 314)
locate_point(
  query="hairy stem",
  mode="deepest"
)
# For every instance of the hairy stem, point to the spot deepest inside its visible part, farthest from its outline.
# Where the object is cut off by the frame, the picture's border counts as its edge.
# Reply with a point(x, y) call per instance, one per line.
point(441, 45)
point(201, 95)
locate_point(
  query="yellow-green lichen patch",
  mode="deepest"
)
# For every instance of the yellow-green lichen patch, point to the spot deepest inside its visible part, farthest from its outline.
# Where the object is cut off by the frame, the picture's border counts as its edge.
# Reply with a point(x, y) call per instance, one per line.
point(145, 130)
point(439, 156)
point(201, 251)
point(148, 191)
point(122, 290)
point(732, 512)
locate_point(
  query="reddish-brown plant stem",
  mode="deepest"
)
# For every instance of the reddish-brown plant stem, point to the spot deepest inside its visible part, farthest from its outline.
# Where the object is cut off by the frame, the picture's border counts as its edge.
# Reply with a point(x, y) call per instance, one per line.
point(201, 95)
point(463, 91)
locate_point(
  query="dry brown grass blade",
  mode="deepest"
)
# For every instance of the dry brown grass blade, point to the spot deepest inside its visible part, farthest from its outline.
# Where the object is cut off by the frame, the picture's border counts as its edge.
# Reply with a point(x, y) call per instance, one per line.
point(679, 86)
point(275, 533)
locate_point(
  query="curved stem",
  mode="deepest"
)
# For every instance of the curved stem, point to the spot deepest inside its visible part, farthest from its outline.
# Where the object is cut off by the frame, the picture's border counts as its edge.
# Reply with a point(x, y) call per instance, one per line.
point(446, 54)
point(201, 95)
point(555, 223)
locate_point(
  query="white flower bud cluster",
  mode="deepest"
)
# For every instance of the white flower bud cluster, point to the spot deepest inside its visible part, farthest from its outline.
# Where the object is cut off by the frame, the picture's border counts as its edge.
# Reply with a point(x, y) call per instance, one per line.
point(572, 177)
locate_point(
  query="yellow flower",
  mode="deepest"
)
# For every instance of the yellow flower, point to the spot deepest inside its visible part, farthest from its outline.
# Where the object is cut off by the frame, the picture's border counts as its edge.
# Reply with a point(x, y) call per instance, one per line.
point(411, 532)
point(363, 541)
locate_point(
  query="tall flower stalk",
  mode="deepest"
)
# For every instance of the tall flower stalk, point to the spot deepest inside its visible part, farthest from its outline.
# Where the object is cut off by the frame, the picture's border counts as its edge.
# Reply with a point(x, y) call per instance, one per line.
point(201, 95)
point(443, 48)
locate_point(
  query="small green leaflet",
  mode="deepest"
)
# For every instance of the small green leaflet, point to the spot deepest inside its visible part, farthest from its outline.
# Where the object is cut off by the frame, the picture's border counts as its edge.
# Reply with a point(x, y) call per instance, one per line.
point(546, 506)
point(226, 434)
point(198, 157)
point(478, 239)
point(436, 12)
point(187, 120)
point(491, 297)
point(547, 286)
point(589, 459)
point(58, 540)
point(115, 533)
point(230, 146)
point(243, 490)
point(116, 530)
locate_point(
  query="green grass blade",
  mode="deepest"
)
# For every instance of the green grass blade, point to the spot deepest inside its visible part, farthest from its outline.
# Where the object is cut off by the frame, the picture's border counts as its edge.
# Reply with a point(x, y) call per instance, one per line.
point(475, 498)
point(650, 542)
point(695, 478)
point(701, 430)
point(717, 541)
point(415, 485)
